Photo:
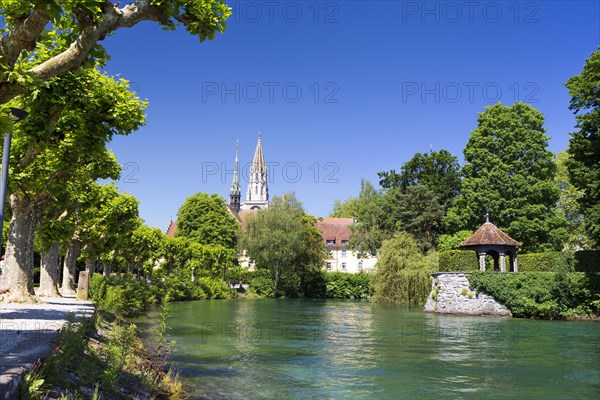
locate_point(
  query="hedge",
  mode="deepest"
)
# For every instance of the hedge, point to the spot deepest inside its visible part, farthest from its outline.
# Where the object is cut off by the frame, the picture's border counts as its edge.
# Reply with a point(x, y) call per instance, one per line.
point(542, 294)
point(580, 261)
point(458, 260)
point(545, 262)
point(587, 261)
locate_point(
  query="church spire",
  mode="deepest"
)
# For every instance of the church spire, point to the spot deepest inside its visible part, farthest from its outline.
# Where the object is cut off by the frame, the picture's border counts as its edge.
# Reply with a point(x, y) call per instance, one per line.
point(259, 158)
point(234, 190)
point(257, 195)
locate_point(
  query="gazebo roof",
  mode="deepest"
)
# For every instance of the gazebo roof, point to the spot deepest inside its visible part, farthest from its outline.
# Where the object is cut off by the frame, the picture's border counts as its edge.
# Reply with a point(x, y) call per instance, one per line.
point(489, 234)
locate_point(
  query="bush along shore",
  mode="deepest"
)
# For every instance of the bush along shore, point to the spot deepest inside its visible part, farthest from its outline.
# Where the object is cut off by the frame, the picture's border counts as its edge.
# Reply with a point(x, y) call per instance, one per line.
point(103, 357)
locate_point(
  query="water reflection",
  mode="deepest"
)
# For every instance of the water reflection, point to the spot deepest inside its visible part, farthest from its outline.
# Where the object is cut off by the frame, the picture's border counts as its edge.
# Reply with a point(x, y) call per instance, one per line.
point(293, 349)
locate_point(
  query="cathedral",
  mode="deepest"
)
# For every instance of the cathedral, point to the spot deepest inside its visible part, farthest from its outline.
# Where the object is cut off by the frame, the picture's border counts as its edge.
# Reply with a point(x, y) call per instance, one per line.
point(257, 194)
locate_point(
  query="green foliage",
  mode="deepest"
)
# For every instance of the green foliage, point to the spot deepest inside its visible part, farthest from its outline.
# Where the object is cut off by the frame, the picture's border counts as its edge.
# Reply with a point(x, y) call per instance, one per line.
point(403, 272)
point(205, 219)
point(584, 146)
point(510, 173)
point(542, 294)
point(121, 296)
point(370, 229)
point(452, 242)
point(179, 286)
point(346, 209)
point(43, 33)
point(458, 261)
point(545, 262)
point(263, 286)
point(417, 211)
point(587, 261)
point(437, 171)
point(342, 285)
point(284, 241)
point(568, 205)
point(216, 288)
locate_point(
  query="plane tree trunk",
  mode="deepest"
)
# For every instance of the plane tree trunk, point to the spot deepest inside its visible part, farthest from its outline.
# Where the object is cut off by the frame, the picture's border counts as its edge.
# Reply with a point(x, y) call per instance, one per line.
point(17, 279)
point(49, 271)
point(70, 267)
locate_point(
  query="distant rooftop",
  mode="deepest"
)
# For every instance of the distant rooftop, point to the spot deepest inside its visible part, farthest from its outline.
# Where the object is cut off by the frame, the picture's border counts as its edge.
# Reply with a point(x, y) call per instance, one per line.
point(336, 230)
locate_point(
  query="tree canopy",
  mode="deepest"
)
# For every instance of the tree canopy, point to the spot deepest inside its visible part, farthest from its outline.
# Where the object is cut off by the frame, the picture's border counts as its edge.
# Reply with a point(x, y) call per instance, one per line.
point(207, 220)
point(584, 146)
point(437, 171)
point(283, 240)
point(509, 173)
point(40, 40)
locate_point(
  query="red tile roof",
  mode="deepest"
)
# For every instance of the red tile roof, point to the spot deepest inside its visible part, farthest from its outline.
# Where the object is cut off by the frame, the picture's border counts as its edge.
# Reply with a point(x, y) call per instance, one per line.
point(489, 234)
point(337, 229)
point(171, 229)
point(243, 215)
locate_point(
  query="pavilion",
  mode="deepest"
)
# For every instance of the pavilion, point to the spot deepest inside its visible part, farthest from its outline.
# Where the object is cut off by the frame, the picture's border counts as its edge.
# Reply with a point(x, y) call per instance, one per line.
point(490, 240)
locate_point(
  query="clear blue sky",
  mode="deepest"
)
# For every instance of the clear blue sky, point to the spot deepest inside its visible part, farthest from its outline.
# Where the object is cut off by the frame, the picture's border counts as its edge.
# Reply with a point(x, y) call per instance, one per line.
point(340, 90)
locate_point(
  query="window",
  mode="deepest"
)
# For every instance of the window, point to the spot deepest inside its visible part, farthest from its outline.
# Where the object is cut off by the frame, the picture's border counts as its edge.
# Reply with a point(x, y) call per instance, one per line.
point(343, 265)
point(343, 253)
point(330, 241)
point(328, 265)
point(360, 265)
point(344, 241)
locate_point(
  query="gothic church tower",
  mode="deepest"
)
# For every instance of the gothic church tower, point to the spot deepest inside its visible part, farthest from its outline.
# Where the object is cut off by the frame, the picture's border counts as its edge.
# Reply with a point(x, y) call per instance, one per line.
point(235, 192)
point(257, 195)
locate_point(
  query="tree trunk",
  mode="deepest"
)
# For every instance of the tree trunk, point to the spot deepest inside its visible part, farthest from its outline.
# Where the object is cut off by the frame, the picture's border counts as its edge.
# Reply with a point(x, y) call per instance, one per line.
point(17, 278)
point(130, 265)
point(276, 279)
point(70, 267)
point(106, 269)
point(90, 266)
point(49, 272)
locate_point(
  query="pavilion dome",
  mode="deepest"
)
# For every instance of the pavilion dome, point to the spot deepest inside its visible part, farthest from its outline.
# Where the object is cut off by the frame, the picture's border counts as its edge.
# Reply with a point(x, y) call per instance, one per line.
point(489, 234)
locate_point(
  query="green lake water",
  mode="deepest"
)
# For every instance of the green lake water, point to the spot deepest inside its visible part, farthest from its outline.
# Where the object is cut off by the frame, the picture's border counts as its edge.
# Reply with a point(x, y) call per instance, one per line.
point(336, 349)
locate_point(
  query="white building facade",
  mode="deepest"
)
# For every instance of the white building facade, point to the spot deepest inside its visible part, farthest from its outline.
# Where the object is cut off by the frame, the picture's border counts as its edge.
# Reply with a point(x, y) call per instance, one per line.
point(336, 235)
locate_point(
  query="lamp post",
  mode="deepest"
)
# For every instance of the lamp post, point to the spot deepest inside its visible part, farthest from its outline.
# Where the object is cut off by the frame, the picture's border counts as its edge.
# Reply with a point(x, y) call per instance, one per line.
point(16, 115)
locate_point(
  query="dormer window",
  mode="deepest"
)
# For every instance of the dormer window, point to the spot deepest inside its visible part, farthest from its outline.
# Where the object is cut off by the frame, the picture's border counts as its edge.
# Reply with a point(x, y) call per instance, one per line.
point(330, 241)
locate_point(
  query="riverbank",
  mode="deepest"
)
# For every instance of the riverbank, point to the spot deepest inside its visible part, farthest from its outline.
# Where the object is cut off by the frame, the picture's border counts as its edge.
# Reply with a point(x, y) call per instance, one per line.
point(29, 332)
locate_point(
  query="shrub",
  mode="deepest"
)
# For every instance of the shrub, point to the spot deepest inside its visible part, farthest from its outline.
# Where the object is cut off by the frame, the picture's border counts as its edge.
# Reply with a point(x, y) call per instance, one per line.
point(458, 261)
point(122, 296)
point(215, 288)
point(587, 261)
point(542, 294)
point(545, 262)
point(263, 286)
point(342, 285)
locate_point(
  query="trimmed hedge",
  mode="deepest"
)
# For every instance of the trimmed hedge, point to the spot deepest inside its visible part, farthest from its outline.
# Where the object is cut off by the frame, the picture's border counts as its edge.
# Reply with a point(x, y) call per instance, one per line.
point(580, 261)
point(587, 261)
point(458, 260)
point(545, 262)
point(542, 294)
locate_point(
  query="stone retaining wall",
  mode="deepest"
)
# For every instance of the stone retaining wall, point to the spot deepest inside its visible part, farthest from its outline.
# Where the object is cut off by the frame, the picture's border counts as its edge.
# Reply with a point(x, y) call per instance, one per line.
point(451, 293)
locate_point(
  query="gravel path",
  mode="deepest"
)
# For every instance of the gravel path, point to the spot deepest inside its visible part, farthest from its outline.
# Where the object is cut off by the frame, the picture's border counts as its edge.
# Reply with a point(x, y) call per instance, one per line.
point(28, 332)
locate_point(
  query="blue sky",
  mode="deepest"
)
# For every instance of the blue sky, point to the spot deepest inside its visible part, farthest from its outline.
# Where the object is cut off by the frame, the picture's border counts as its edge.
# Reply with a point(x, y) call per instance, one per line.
point(339, 89)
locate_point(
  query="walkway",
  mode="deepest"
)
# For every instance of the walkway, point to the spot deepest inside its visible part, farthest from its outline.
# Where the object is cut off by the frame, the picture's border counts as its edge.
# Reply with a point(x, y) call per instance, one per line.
point(28, 332)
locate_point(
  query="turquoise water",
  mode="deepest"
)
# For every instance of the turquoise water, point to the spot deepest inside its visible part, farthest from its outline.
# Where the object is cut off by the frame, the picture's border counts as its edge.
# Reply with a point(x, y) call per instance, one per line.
point(336, 349)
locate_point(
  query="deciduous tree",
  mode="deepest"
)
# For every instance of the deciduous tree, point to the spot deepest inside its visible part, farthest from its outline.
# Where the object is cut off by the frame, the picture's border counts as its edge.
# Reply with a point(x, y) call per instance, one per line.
point(509, 173)
point(71, 119)
point(438, 171)
point(283, 240)
point(584, 146)
point(206, 219)
point(40, 40)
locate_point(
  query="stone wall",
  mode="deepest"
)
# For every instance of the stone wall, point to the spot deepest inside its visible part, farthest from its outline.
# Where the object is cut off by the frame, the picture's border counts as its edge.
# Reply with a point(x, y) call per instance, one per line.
point(451, 294)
